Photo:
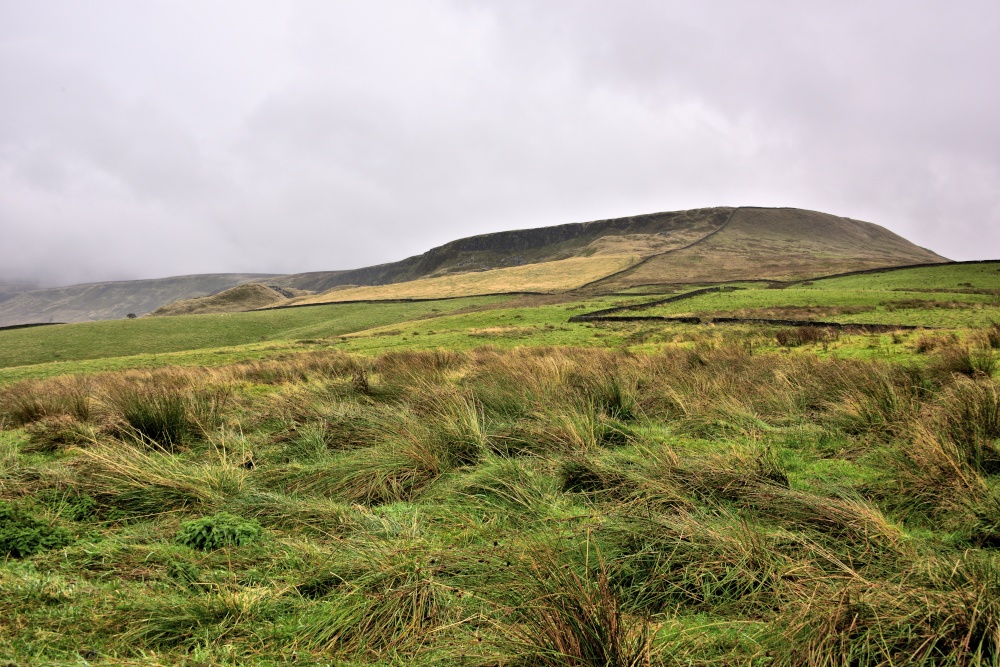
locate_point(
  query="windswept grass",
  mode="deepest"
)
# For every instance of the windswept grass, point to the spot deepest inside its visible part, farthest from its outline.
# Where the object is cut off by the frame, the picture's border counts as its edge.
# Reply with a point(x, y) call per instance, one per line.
point(708, 502)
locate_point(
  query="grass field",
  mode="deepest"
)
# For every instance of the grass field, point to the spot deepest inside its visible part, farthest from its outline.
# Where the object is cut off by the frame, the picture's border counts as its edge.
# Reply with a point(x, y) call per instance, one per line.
point(932, 309)
point(557, 276)
point(482, 482)
point(119, 338)
point(956, 278)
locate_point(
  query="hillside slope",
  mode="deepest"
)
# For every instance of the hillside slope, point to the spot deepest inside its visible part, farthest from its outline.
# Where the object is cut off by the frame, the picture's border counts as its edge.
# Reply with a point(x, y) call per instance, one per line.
point(113, 300)
point(777, 244)
point(640, 235)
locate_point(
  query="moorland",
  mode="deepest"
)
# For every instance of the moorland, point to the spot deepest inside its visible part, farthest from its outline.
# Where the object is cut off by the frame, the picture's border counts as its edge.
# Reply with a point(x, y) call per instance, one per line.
point(508, 479)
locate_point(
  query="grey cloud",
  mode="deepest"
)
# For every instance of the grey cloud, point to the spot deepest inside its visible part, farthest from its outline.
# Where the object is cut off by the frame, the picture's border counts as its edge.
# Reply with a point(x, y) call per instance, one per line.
point(159, 138)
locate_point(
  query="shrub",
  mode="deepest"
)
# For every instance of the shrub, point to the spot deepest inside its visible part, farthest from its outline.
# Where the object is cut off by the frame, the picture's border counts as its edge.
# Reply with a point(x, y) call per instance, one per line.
point(23, 535)
point(221, 530)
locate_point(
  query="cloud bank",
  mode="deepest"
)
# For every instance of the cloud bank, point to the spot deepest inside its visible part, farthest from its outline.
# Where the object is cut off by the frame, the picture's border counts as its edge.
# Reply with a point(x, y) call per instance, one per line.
point(164, 138)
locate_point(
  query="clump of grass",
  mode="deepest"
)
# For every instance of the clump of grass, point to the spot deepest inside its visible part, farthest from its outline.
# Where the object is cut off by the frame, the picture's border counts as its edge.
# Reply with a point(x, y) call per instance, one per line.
point(206, 407)
point(217, 531)
point(8, 455)
point(309, 444)
point(152, 413)
point(573, 618)
point(993, 335)
point(459, 426)
point(319, 516)
point(967, 414)
point(589, 476)
point(512, 488)
point(933, 478)
point(881, 404)
point(373, 477)
point(56, 432)
point(222, 613)
point(967, 359)
point(710, 561)
point(373, 599)
point(146, 482)
point(29, 401)
point(952, 619)
point(805, 335)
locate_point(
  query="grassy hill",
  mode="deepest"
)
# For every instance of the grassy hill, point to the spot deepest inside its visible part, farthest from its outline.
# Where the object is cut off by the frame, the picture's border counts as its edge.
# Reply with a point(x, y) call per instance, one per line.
point(751, 243)
point(777, 244)
point(641, 234)
point(237, 299)
point(112, 300)
point(158, 335)
point(700, 245)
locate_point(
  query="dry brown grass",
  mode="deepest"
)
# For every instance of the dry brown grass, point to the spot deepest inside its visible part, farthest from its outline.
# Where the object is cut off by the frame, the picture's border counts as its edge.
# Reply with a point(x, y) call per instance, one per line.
point(557, 276)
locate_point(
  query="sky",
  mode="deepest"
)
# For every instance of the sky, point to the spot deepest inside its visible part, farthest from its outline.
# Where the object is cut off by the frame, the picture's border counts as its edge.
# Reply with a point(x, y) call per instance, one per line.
point(157, 138)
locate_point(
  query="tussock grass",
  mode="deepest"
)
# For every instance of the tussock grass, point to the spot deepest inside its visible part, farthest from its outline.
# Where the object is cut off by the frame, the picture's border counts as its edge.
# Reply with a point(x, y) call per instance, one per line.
point(147, 482)
point(707, 502)
point(570, 617)
point(950, 620)
point(718, 562)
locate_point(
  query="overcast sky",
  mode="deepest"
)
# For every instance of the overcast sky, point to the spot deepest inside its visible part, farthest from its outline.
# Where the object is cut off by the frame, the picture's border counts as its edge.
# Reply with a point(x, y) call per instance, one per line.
point(147, 139)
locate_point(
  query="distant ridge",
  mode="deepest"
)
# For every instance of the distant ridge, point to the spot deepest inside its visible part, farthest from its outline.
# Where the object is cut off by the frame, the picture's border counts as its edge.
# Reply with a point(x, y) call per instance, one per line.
point(696, 246)
point(112, 300)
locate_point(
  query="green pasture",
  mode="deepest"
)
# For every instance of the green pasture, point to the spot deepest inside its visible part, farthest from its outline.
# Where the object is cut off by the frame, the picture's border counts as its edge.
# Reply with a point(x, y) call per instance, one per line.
point(931, 309)
point(157, 335)
point(948, 277)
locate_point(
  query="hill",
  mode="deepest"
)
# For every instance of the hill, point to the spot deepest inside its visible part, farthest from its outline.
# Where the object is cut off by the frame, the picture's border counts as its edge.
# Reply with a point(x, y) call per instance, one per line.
point(778, 244)
point(249, 296)
point(749, 243)
point(700, 245)
point(640, 234)
point(112, 300)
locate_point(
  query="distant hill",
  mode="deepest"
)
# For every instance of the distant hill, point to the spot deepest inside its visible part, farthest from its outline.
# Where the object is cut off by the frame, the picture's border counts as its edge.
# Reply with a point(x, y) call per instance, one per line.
point(639, 235)
point(717, 245)
point(112, 300)
point(9, 290)
point(249, 296)
point(700, 245)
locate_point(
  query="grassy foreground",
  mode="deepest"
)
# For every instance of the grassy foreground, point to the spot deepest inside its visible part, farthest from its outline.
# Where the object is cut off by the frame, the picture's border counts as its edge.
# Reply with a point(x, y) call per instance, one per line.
point(480, 482)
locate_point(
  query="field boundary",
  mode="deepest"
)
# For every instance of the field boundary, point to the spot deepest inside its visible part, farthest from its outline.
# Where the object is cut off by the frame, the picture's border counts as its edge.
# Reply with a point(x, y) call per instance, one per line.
point(402, 300)
point(609, 315)
point(649, 304)
point(840, 326)
point(11, 327)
